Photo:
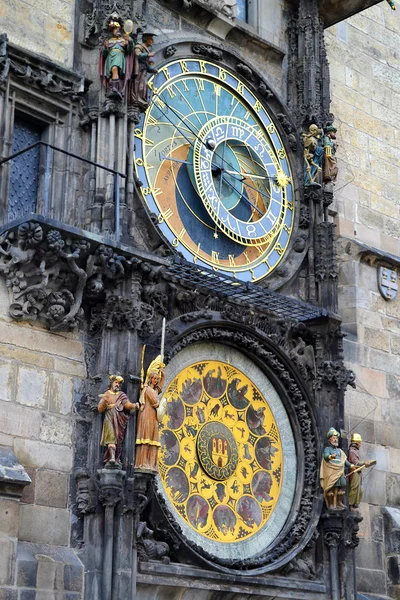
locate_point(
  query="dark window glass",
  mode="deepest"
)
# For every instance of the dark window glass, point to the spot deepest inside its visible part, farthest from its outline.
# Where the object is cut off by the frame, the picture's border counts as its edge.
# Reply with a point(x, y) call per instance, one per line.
point(24, 171)
point(242, 10)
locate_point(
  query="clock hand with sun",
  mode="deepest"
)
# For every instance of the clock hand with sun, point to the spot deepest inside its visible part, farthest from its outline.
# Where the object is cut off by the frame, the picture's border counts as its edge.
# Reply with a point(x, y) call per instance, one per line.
point(216, 167)
point(185, 162)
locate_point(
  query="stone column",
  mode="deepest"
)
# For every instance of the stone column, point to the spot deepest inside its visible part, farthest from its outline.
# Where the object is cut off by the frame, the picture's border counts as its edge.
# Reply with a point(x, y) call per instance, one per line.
point(333, 536)
point(110, 482)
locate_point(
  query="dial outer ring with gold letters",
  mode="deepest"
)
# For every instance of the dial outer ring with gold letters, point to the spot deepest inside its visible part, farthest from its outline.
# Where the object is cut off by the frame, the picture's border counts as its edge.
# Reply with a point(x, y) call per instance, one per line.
point(248, 263)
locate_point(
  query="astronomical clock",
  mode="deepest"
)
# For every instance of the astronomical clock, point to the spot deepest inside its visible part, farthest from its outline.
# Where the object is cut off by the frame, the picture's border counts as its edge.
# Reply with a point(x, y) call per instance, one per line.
point(217, 181)
point(227, 462)
point(214, 170)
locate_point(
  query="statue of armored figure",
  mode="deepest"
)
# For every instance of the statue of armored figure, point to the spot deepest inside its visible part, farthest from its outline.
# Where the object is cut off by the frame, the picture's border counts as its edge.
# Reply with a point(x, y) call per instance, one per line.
point(115, 404)
point(332, 476)
point(355, 478)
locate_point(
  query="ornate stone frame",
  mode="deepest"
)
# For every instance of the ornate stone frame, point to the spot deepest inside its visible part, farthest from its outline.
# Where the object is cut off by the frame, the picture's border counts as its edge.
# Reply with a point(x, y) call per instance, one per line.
point(287, 380)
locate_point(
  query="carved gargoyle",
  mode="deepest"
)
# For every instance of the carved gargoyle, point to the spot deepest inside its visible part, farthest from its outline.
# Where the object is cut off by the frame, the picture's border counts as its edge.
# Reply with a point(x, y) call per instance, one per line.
point(148, 547)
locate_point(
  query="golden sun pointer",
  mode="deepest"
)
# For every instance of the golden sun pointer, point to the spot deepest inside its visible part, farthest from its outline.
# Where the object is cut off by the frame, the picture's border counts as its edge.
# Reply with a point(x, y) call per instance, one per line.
point(282, 179)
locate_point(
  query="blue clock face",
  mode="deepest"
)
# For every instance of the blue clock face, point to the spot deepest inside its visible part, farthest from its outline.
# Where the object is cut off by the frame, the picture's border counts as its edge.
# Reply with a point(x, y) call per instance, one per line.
point(215, 171)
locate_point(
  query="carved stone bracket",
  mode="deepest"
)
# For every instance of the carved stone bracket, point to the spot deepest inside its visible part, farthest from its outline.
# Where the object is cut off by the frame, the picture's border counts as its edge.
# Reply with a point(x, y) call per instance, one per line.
point(334, 372)
point(122, 313)
point(48, 273)
point(110, 483)
point(86, 500)
point(38, 73)
point(352, 528)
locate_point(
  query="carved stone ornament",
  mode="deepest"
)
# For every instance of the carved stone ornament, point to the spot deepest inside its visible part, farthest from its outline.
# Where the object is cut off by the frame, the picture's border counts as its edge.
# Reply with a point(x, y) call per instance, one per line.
point(336, 373)
point(122, 313)
point(387, 283)
point(208, 51)
point(28, 68)
point(96, 17)
point(110, 484)
point(48, 273)
point(86, 501)
point(148, 548)
point(300, 529)
point(226, 8)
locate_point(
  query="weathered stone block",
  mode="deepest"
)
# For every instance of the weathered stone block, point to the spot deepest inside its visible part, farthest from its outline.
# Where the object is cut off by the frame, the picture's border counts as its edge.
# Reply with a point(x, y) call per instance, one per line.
point(41, 455)
point(61, 393)
point(393, 568)
point(19, 420)
point(70, 367)
point(7, 556)
point(366, 428)
point(374, 487)
point(51, 489)
point(9, 515)
point(376, 523)
point(395, 460)
point(62, 344)
point(44, 525)
point(7, 380)
point(27, 595)
point(393, 489)
point(22, 355)
point(370, 554)
point(369, 580)
point(8, 594)
point(28, 495)
point(56, 430)
point(32, 387)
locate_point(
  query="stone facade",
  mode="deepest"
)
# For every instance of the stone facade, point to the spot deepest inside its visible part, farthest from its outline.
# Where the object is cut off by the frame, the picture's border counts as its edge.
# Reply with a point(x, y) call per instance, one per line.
point(80, 305)
point(45, 28)
point(40, 373)
point(365, 75)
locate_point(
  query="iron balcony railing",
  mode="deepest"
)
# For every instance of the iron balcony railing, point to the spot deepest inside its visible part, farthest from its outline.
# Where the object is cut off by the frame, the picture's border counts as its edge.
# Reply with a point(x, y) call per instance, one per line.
point(47, 175)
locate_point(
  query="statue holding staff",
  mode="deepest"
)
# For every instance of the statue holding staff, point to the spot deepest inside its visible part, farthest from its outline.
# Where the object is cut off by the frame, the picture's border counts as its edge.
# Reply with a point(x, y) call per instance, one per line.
point(355, 477)
point(147, 436)
point(115, 405)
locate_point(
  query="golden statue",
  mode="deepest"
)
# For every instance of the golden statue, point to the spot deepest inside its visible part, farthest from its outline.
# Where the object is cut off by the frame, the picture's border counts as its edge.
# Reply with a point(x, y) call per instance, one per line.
point(147, 437)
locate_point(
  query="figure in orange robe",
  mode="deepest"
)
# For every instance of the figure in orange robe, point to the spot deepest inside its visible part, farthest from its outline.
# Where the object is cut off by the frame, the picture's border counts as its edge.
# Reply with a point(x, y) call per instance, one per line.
point(147, 436)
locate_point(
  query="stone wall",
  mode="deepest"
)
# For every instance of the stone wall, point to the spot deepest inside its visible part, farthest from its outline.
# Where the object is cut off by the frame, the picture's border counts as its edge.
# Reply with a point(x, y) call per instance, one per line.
point(365, 70)
point(43, 27)
point(39, 372)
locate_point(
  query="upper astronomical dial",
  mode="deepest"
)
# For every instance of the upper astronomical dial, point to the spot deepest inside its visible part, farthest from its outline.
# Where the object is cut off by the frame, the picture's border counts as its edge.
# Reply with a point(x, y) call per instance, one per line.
point(214, 170)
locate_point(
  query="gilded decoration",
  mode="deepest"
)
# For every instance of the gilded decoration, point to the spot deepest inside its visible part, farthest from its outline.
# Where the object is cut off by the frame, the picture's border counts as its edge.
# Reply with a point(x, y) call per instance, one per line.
point(222, 460)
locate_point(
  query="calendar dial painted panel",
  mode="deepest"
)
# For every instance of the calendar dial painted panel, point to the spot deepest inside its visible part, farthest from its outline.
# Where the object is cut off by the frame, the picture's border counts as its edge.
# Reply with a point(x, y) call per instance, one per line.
point(214, 170)
point(226, 464)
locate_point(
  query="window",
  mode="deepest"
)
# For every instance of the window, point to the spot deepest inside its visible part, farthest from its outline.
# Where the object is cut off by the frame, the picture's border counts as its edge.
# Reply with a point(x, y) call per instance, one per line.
point(24, 171)
point(243, 10)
